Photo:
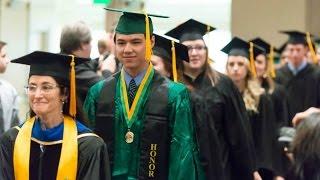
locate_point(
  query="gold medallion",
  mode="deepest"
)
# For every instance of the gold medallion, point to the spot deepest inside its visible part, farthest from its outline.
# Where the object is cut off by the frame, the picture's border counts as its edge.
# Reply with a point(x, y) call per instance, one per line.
point(129, 137)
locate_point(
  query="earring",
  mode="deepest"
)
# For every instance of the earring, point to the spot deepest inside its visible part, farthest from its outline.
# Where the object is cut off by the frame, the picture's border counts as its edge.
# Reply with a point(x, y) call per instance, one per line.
point(62, 105)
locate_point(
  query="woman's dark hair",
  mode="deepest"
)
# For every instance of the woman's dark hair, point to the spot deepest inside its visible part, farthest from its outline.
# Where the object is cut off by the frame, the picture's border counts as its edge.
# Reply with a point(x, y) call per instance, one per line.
point(167, 59)
point(306, 149)
point(64, 90)
point(163, 54)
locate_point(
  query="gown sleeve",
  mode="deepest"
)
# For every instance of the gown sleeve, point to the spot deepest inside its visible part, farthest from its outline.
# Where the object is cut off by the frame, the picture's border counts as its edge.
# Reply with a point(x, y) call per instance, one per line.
point(86, 77)
point(89, 106)
point(183, 160)
point(207, 138)
point(93, 160)
point(264, 131)
point(279, 100)
point(6, 154)
point(238, 132)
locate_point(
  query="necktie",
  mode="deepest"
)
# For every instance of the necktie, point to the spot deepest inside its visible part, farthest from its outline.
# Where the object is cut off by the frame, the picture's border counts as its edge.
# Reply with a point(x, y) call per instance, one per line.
point(132, 91)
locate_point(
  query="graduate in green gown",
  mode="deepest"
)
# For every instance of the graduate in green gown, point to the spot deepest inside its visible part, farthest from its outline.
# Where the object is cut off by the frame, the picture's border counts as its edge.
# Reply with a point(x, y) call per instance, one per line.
point(143, 117)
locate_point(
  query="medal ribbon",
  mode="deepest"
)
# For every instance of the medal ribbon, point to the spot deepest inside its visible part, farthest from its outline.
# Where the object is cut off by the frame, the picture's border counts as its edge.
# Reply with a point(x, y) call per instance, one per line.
point(130, 114)
point(67, 168)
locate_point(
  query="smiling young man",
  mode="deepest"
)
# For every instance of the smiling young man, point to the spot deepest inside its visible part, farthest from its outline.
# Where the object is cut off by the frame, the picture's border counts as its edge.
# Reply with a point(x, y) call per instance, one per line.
point(143, 117)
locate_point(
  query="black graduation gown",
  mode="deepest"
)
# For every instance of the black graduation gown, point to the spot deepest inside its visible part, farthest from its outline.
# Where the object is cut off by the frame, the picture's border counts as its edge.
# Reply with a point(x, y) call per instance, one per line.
point(264, 133)
point(93, 162)
point(280, 105)
point(302, 90)
point(207, 138)
point(230, 124)
point(86, 76)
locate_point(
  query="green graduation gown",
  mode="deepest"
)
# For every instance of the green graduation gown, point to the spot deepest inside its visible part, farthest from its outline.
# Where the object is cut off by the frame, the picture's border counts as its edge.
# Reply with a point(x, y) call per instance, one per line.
point(164, 144)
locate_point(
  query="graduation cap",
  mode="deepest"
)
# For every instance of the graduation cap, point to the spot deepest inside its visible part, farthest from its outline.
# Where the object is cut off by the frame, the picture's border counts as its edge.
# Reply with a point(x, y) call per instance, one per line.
point(297, 37)
point(55, 65)
point(131, 22)
point(190, 30)
point(282, 48)
point(269, 49)
point(262, 44)
point(166, 47)
point(239, 47)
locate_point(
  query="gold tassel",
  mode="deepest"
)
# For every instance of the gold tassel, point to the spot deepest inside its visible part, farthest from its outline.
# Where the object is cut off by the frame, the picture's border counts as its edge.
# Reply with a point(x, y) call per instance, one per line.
point(312, 51)
point(148, 41)
point(174, 62)
point(208, 59)
point(272, 71)
point(252, 64)
point(73, 101)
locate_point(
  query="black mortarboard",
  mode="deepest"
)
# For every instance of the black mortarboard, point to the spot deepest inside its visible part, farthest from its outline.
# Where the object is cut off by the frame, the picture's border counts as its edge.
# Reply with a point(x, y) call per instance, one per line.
point(190, 30)
point(166, 45)
point(270, 53)
point(48, 64)
point(262, 44)
point(282, 48)
point(296, 37)
point(172, 50)
point(239, 47)
point(55, 65)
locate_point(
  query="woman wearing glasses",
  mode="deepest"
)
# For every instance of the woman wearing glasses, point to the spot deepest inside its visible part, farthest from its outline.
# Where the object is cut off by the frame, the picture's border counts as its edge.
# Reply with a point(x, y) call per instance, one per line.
point(225, 144)
point(52, 144)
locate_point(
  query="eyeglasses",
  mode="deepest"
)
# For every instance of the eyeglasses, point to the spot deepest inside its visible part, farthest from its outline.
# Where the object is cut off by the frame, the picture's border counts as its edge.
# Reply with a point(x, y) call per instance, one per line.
point(197, 48)
point(46, 88)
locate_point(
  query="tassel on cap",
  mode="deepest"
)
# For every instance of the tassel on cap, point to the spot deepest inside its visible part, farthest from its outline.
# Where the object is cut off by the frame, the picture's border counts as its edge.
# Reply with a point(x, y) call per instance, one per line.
point(148, 41)
point(252, 64)
point(73, 101)
point(174, 62)
point(311, 49)
point(272, 71)
point(209, 61)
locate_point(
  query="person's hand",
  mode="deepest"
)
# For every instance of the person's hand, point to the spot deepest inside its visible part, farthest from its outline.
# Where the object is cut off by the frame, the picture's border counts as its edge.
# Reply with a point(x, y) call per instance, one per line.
point(109, 64)
point(300, 116)
point(256, 176)
point(278, 178)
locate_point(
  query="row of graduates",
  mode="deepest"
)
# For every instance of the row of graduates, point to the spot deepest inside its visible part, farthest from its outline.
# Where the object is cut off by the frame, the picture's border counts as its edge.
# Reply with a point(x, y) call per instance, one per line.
point(236, 133)
point(232, 114)
point(272, 98)
point(231, 135)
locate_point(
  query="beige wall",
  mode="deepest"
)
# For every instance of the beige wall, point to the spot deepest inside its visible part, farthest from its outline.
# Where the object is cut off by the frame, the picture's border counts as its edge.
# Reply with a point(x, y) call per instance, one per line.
point(251, 18)
point(313, 16)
